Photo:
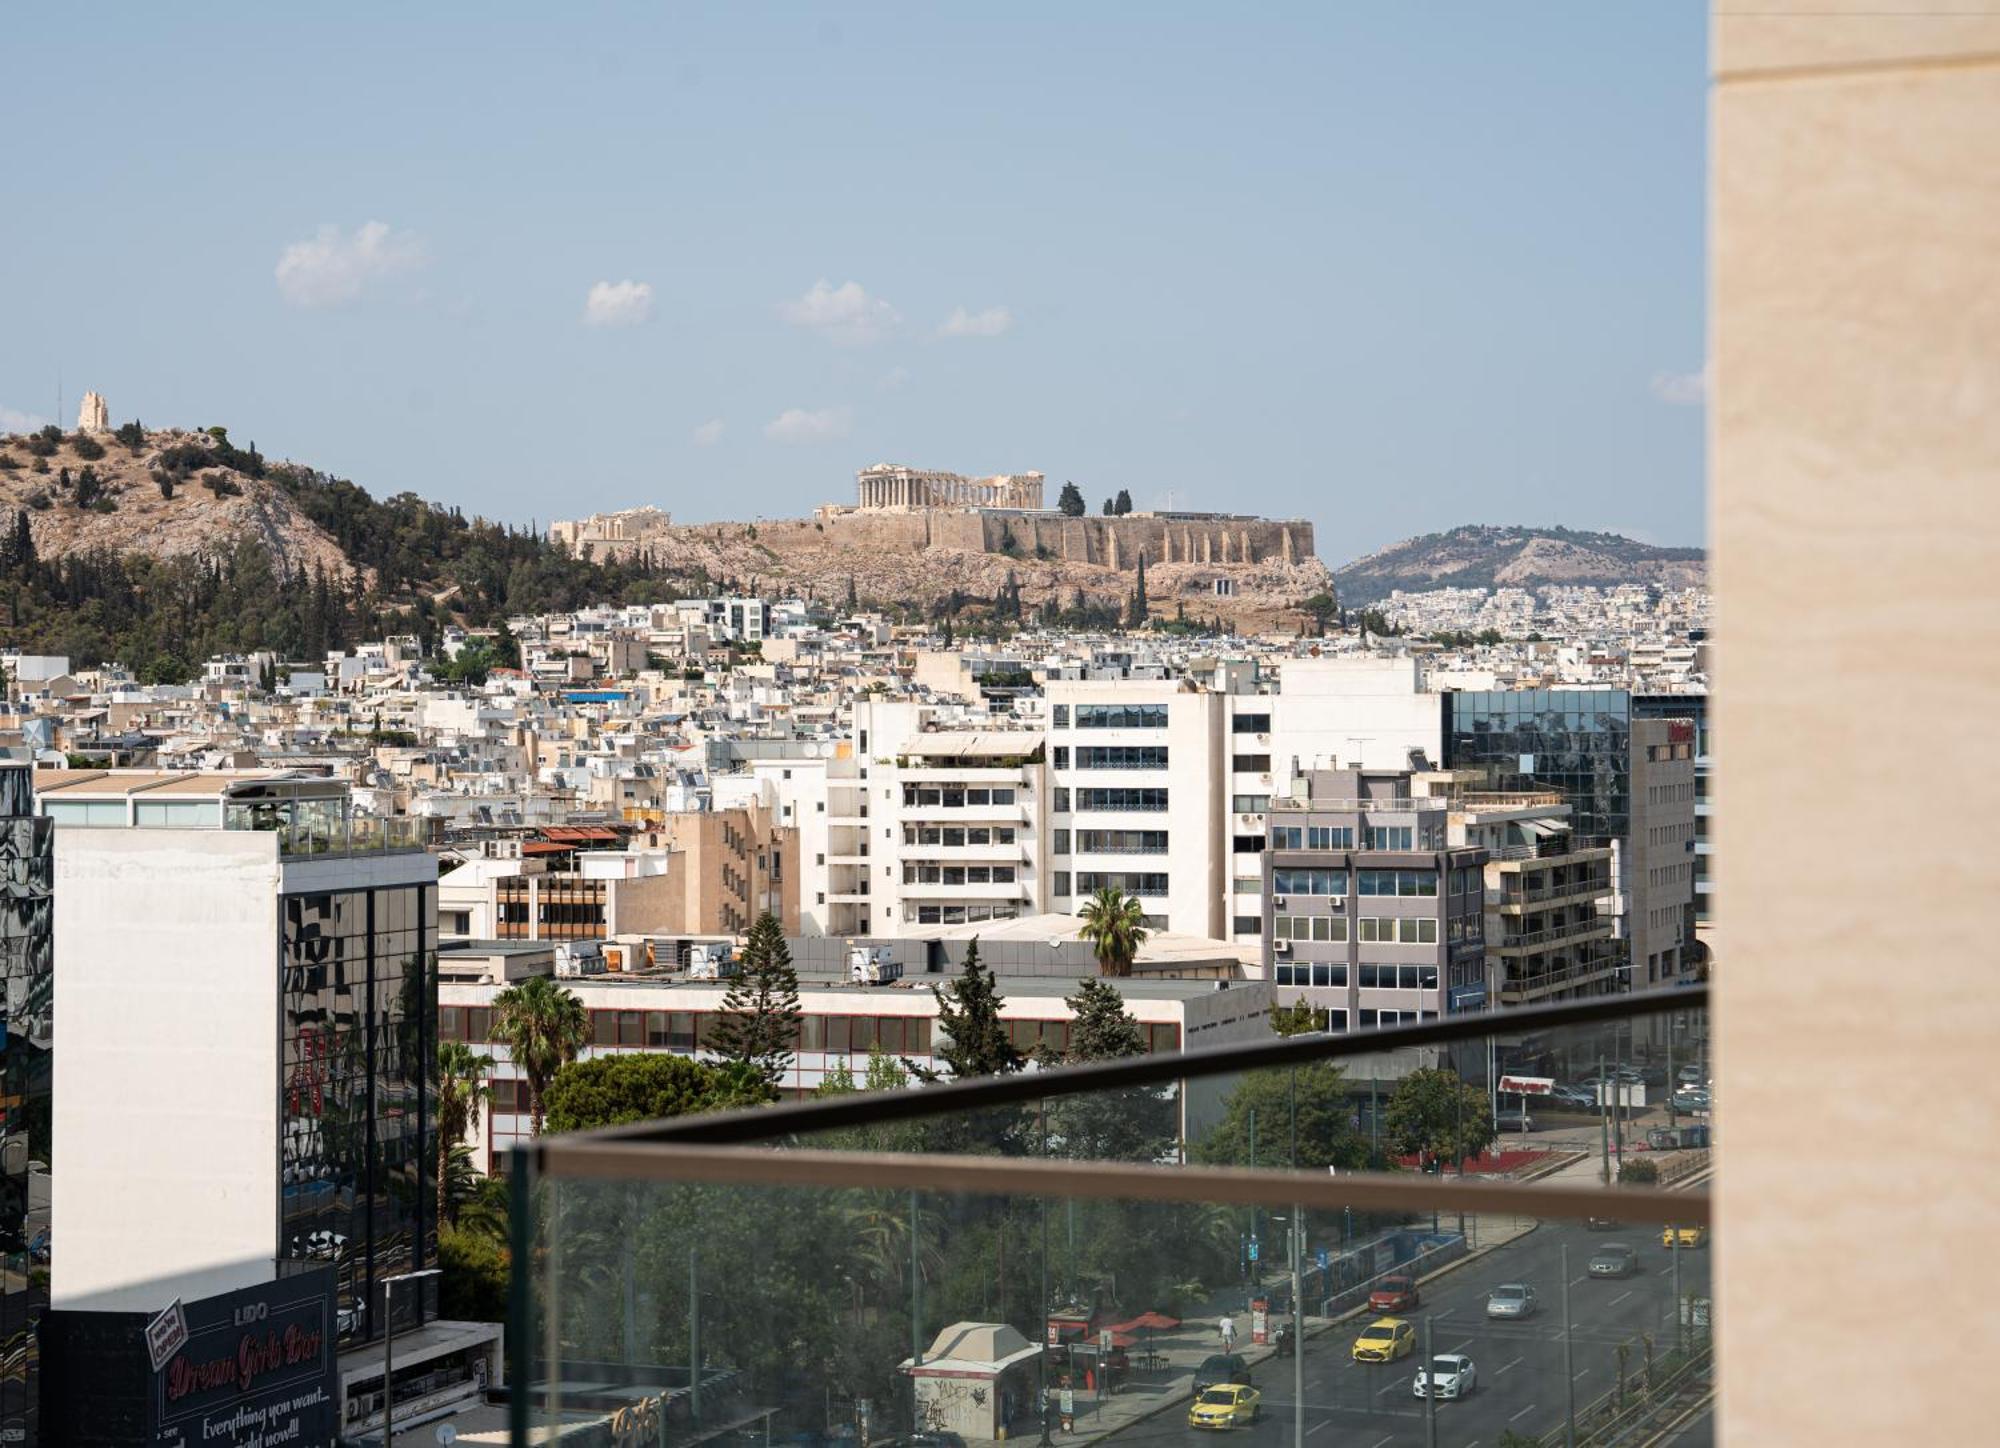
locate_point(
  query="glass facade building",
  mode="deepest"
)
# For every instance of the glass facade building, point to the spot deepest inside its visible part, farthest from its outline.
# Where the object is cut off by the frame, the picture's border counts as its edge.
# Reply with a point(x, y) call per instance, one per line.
point(1577, 742)
point(360, 1035)
point(27, 964)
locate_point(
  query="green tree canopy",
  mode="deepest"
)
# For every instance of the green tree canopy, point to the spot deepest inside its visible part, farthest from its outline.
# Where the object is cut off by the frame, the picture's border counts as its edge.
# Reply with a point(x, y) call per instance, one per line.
point(1115, 925)
point(1433, 1113)
point(543, 1027)
point(975, 1041)
point(1297, 1019)
point(759, 1024)
point(1137, 1123)
point(1325, 1121)
point(652, 1086)
point(1123, 505)
point(460, 1089)
point(1070, 502)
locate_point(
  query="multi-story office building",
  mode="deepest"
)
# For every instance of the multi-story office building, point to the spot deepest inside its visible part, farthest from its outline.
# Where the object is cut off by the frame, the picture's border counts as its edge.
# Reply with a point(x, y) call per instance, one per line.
point(27, 965)
point(248, 975)
point(1629, 786)
point(1692, 707)
point(1370, 913)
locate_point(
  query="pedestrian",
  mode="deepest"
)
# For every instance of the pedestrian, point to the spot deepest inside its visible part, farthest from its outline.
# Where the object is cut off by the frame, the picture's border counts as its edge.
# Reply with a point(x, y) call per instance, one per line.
point(1228, 1333)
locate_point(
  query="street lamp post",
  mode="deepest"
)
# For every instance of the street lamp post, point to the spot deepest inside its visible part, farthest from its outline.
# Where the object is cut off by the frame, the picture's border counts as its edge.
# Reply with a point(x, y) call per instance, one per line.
point(388, 1342)
point(1569, 1364)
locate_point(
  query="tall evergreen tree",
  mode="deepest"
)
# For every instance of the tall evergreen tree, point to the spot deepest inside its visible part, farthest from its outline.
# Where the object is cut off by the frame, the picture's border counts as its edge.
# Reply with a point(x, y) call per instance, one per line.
point(759, 1024)
point(1123, 504)
point(975, 1040)
point(1070, 503)
point(1137, 1123)
point(1136, 615)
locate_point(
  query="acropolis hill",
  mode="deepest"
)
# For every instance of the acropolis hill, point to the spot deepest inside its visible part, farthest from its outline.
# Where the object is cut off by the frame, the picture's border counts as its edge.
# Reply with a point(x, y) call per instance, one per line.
point(914, 536)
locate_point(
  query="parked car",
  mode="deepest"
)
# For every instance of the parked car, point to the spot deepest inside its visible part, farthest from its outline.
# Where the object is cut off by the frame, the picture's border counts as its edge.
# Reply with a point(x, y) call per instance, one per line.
point(1686, 1236)
point(1218, 1369)
point(1396, 1294)
point(1450, 1375)
point(1511, 1299)
point(1575, 1097)
point(1228, 1406)
point(1513, 1121)
point(1690, 1076)
point(1613, 1259)
point(1692, 1101)
point(1385, 1340)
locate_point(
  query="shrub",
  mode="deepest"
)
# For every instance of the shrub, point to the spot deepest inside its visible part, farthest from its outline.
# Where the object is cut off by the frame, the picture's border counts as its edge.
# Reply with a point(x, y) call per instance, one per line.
point(165, 483)
point(41, 445)
point(1638, 1171)
point(221, 485)
point(9, 463)
point(86, 447)
point(131, 434)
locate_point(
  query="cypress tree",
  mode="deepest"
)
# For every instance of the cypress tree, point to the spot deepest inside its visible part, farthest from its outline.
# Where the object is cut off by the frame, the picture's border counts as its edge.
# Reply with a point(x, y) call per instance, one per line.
point(759, 1025)
point(975, 1041)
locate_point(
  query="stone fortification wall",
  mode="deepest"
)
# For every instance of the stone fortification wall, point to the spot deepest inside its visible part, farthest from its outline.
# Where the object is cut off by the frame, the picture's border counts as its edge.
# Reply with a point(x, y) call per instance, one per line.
point(1105, 542)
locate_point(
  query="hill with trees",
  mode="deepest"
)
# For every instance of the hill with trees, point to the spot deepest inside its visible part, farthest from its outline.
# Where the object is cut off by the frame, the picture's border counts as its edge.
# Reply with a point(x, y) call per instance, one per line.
point(1480, 556)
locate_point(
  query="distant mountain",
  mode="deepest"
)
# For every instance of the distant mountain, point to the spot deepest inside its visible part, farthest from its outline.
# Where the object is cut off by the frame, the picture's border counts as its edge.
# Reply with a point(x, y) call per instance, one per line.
point(1476, 556)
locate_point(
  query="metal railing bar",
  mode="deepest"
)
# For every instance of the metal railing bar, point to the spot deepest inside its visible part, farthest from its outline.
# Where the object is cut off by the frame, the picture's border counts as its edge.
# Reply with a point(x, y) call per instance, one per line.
point(764, 1123)
point(590, 1158)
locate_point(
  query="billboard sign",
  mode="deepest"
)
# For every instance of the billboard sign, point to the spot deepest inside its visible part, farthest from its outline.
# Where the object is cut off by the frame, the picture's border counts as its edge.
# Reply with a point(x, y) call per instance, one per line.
point(1528, 1085)
point(256, 1368)
point(167, 1334)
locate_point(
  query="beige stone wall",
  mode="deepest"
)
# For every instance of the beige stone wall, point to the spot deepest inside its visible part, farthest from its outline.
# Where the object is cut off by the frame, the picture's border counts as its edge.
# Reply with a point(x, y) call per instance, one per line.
point(1855, 417)
point(1108, 542)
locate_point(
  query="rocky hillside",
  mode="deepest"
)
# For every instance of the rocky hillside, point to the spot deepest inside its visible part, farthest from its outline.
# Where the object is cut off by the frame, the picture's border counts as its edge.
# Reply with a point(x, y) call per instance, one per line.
point(1488, 557)
point(804, 557)
point(165, 494)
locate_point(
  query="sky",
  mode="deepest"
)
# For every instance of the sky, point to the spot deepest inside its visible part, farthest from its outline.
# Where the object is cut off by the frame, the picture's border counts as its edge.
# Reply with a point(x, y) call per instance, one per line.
point(1390, 268)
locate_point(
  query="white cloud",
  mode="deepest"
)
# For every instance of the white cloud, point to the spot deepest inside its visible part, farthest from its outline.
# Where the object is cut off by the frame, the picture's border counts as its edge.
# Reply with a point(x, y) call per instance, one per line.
point(843, 314)
point(799, 424)
point(709, 433)
point(1681, 389)
point(332, 268)
point(14, 420)
point(618, 304)
point(989, 323)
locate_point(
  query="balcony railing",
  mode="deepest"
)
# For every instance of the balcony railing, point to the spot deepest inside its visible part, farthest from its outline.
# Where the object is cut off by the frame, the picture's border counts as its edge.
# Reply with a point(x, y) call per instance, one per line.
point(986, 1256)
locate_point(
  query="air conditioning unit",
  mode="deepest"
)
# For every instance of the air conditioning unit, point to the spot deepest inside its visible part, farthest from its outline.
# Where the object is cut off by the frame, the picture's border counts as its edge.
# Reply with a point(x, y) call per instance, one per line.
point(1281, 947)
point(1277, 899)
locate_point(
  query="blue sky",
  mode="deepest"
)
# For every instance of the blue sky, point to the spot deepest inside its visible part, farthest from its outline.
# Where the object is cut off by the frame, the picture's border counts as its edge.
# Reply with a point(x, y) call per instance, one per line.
point(1388, 267)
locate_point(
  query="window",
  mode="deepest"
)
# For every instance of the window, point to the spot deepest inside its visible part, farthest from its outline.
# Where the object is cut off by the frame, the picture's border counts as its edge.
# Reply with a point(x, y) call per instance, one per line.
point(1408, 883)
point(1060, 804)
point(1283, 837)
point(1308, 882)
point(1132, 882)
point(1122, 842)
point(1061, 844)
point(1121, 716)
point(1062, 756)
point(1121, 756)
point(1251, 763)
point(1146, 799)
point(1250, 724)
point(1336, 1019)
point(1059, 716)
point(1250, 803)
point(1387, 837)
point(1329, 837)
point(1059, 882)
point(1247, 925)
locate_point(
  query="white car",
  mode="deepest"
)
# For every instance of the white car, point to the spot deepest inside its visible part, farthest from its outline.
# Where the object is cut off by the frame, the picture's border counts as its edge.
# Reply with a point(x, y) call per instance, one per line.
point(1450, 1375)
point(1511, 1299)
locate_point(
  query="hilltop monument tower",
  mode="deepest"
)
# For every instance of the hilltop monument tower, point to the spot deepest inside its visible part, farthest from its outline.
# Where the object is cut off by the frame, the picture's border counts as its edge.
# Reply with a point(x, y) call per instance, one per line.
point(93, 416)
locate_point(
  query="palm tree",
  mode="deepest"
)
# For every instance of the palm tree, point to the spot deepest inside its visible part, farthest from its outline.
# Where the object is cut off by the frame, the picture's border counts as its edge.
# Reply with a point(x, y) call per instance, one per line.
point(543, 1027)
point(461, 1091)
point(1115, 924)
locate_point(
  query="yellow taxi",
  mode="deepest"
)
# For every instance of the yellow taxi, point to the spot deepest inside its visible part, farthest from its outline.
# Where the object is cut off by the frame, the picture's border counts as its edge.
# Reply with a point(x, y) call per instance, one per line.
point(1686, 1236)
point(1384, 1340)
point(1226, 1405)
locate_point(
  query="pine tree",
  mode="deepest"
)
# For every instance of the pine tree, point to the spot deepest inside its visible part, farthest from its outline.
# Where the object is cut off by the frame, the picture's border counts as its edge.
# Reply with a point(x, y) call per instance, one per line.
point(1109, 507)
point(1136, 1123)
point(975, 1041)
point(1124, 503)
point(1136, 615)
point(1070, 503)
point(759, 1024)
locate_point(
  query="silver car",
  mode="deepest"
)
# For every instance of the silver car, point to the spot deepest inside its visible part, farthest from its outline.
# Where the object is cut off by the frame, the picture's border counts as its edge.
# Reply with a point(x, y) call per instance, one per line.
point(1511, 1299)
point(1613, 1259)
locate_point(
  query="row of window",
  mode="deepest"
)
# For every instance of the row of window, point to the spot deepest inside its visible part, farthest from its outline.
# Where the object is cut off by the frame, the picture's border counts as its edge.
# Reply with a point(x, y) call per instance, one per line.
point(1312, 837)
point(1150, 800)
point(964, 914)
point(925, 873)
point(1113, 756)
point(1308, 882)
point(1396, 882)
point(1368, 976)
point(1251, 763)
point(1397, 929)
point(954, 836)
point(954, 796)
point(1114, 842)
point(1250, 803)
point(1132, 882)
point(1112, 716)
point(1250, 724)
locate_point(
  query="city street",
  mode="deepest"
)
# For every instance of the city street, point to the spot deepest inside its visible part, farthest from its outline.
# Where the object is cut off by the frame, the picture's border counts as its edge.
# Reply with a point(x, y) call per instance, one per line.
point(1520, 1364)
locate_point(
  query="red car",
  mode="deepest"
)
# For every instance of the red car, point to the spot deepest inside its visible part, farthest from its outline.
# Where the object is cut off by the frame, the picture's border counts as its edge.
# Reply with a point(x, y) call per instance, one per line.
point(1396, 1294)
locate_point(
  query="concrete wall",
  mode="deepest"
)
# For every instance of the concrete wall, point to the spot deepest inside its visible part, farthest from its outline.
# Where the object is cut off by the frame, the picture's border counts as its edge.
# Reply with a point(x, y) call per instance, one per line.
point(1855, 355)
point(166, 1086)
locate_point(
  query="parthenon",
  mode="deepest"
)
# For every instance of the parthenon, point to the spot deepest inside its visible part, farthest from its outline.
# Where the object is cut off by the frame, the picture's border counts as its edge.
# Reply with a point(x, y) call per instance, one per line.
point(891, 485)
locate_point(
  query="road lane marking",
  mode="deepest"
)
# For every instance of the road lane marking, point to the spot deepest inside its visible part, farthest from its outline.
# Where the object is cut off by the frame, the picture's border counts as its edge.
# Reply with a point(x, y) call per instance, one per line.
point(1383, 1442)
point(1514, 1364)
point(1517, 1417)
point(1619, 1298)
point(1461, 1347)
point(1392, 1388)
